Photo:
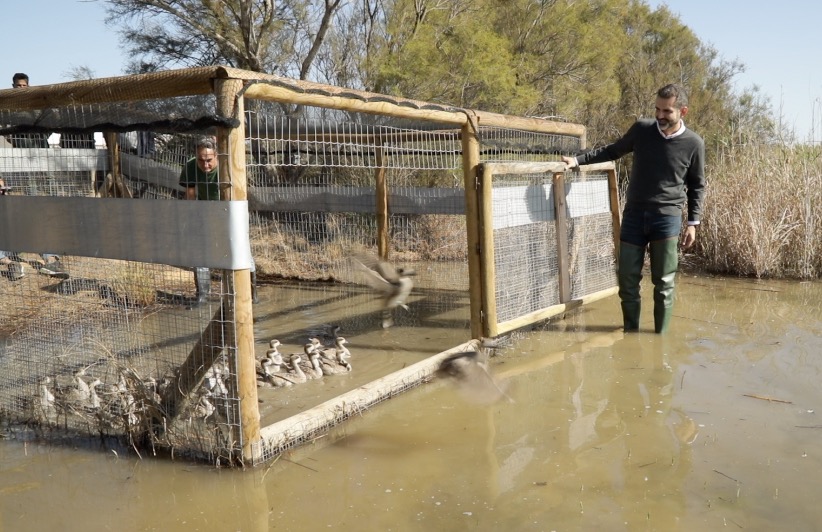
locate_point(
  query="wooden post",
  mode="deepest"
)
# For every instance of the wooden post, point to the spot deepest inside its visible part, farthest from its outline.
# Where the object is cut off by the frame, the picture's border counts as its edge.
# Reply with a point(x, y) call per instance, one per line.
point(560, 211)
point(381, 193)
point(113, 150)
point(487, 257)
point(616, 215)
point(470, 162)
point(239, 330)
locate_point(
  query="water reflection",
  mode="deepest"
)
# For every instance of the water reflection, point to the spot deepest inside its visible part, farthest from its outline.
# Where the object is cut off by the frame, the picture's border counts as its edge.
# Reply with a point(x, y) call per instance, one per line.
point(607, 431)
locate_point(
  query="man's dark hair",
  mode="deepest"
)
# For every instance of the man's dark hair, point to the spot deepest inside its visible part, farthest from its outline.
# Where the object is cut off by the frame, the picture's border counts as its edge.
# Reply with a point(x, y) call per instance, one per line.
point(207, 143)
point(19, 76)
point(673, 90)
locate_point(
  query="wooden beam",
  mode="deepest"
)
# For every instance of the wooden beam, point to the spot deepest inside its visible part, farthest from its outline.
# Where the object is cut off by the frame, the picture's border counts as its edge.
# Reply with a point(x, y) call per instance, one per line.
point(561, 216)
point(554, 310)
point(166, 84)
point(381, 207)
point(487, 256)
point(470, 163)
point(332, 98)
point(192, 371)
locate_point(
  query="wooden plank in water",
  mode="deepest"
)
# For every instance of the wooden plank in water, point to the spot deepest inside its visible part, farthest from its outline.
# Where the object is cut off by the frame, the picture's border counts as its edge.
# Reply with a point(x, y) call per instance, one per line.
point(314, 421)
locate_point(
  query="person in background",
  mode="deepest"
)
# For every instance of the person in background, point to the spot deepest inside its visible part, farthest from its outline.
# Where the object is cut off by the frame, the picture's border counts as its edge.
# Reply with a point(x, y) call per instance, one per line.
point(200, 178)
point(26, 140)
point(14, 266)
point(668, 170)
point(51, 264)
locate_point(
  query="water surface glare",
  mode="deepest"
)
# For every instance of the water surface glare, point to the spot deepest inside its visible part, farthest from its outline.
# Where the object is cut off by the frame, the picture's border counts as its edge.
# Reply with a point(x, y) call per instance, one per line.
point(715, 425)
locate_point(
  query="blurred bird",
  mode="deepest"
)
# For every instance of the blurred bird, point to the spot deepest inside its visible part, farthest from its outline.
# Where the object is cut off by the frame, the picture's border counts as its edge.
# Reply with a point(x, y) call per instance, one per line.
point(469, 370)
point(391, 283)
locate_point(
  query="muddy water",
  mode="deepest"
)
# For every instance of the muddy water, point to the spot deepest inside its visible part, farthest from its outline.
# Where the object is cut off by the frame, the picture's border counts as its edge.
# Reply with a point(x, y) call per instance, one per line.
point(714, 425)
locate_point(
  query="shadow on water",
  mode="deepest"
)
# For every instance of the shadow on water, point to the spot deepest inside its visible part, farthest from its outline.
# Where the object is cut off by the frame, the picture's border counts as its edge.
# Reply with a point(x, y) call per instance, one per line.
point(713, 425)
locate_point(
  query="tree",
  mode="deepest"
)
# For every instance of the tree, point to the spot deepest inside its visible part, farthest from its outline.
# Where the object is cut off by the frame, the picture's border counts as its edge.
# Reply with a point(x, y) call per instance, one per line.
point(259, 35)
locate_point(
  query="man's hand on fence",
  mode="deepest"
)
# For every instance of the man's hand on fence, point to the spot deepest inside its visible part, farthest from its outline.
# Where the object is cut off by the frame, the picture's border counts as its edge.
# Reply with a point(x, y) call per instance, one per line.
point(570, 162)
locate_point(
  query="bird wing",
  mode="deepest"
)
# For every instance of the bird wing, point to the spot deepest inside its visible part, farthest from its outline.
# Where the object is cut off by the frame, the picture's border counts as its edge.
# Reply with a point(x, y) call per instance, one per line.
point(374, 278)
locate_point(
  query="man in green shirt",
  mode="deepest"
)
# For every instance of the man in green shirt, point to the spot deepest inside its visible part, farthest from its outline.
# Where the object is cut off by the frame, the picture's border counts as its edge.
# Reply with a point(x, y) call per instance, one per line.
point(200, 178)
point(668, 170)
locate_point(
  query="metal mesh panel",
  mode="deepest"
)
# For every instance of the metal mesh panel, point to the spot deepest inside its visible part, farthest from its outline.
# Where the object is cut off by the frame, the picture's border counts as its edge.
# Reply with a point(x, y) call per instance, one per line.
point(97, 354)
point(100, 352)
point(525, 249)
point(315, 202)
point(503, 144)
point(590, 234)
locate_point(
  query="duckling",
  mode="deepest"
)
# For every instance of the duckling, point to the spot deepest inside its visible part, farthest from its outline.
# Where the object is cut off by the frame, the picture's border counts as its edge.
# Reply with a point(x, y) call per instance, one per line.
point(343, 354)
point(312, 367)
point(271, 361)
point(204, 408)
point(43, 404)
point(94, 399)
point(76, 394)
point(214, 379)
point(296, 375)
point(271, 372)
point(336, 363)
point(392, 284)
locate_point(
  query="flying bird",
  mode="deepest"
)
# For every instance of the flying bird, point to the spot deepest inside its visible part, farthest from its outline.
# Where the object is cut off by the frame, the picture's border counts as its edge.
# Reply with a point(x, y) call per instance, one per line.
point(392, 284)
point(469, 371)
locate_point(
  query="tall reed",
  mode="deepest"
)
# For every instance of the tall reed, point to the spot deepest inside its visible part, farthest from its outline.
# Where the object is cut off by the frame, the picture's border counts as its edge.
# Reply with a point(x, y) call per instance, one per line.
point(763, 212)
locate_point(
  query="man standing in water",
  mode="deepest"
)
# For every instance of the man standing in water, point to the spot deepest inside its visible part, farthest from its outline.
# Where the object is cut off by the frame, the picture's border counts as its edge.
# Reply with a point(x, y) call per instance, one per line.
point(668, 169)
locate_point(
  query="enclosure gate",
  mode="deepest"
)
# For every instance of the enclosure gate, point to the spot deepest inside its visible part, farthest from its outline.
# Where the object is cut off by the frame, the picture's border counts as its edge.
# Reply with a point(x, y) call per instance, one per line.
point(552, 232)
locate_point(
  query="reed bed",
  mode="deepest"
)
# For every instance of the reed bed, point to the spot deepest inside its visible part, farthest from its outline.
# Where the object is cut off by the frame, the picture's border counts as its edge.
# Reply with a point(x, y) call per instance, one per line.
point(763, 212)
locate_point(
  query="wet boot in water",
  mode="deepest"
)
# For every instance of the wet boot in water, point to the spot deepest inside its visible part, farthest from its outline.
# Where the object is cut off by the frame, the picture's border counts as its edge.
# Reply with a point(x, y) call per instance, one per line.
point(664, 262)
point(254, 297)
point(629, 274)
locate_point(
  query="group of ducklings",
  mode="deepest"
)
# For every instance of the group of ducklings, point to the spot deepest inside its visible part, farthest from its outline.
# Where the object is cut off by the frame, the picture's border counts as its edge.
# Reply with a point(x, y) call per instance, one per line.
point(316, 361)
point(119, 405)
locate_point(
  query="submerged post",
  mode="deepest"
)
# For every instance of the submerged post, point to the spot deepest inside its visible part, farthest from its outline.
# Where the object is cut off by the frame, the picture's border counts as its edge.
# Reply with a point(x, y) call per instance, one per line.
point(239, 318)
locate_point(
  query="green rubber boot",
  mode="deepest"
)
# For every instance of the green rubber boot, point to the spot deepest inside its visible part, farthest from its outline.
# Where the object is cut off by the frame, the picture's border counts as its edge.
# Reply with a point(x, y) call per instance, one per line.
point(629, 274)
point(664, 262)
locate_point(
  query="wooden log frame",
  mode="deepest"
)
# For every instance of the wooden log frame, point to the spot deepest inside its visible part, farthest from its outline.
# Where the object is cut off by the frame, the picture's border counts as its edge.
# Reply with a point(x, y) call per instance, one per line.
point(201, 80)
point(231, 326)
point(490, 325)
point(487, 253)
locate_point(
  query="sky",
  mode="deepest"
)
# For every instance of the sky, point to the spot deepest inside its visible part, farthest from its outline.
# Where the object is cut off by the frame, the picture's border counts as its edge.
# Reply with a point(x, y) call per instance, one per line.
point(780, 45)
point(779, 42)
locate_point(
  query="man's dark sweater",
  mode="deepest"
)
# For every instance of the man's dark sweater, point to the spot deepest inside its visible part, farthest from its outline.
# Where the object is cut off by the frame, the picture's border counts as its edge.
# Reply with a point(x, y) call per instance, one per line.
point(665, 172)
